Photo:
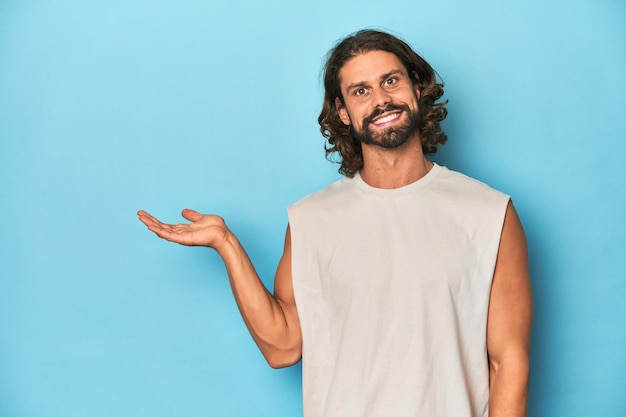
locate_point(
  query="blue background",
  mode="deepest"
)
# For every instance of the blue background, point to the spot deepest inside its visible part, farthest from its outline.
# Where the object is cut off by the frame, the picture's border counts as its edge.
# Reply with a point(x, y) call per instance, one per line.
point(110, 107)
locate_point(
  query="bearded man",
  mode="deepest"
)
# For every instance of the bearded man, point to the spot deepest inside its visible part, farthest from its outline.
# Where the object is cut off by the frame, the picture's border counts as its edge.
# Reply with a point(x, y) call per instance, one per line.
point(404, 287)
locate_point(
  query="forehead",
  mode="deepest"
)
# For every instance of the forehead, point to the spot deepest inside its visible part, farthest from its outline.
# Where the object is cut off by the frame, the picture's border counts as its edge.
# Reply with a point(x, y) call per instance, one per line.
point(369, 67)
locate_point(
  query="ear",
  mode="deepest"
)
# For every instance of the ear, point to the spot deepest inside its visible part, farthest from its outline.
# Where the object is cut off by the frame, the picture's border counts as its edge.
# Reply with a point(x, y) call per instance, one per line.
point(343, 113)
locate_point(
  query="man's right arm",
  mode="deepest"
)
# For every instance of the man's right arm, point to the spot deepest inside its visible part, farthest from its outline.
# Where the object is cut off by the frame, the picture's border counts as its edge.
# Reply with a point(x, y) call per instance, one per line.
point(272, 319)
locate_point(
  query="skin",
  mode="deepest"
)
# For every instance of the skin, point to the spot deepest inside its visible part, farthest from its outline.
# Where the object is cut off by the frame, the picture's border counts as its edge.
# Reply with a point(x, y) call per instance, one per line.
point(365, 86)
point(375, 79)
point(272, 319)
point(369, 81)
point(509, 323)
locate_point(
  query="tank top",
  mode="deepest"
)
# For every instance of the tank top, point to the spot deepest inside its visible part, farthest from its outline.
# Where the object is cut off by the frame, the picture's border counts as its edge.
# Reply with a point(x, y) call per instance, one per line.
point(392, 288)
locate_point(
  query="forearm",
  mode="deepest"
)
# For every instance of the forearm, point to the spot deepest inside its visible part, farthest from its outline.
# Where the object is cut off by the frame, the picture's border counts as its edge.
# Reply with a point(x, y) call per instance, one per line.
point(270, 323)
point(508, 392)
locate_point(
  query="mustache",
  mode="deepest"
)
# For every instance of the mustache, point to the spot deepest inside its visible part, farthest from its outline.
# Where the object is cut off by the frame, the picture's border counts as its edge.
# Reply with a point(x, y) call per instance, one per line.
point(379, 110)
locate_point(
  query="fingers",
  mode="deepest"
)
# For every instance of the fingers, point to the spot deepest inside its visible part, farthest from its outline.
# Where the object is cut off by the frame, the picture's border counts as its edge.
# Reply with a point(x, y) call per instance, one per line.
point(191, 215)
point(146, 218)
point(204, 229)
point(172, 233)
point(151, 222)
point(178, 233)
point(149, 219)
point(188, 214)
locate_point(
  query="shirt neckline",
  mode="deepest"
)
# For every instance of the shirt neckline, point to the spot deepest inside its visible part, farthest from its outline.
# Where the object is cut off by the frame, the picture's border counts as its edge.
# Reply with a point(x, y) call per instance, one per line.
point(394, 192)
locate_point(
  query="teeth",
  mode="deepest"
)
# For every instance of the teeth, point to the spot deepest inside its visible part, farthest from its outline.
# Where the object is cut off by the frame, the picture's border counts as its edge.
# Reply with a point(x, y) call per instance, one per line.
point(387, 118)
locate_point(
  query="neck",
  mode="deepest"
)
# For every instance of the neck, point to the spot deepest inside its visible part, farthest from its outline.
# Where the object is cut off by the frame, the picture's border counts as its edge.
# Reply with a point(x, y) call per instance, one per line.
point(394, 168)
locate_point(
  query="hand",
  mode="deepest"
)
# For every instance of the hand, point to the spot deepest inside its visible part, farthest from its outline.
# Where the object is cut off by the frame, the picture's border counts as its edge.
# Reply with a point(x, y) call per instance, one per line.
point(204, 229)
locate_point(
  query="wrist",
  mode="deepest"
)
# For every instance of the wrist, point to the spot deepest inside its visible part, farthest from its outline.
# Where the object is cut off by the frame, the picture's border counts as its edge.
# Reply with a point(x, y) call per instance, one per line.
point(227, 245)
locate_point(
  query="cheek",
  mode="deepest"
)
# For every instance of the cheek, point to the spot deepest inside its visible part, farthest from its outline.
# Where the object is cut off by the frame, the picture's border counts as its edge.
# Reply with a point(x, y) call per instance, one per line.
point(359, 112)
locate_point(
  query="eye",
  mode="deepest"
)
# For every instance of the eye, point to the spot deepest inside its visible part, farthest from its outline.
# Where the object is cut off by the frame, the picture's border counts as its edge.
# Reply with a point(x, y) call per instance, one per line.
point(359, 91)
point(391, 81)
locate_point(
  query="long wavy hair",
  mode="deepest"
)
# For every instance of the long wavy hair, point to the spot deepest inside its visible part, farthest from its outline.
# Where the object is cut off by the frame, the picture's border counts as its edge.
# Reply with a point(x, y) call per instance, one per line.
point(339, 136)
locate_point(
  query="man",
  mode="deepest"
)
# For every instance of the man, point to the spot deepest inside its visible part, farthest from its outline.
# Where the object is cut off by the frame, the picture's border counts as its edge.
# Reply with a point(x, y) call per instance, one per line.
point(404, 287)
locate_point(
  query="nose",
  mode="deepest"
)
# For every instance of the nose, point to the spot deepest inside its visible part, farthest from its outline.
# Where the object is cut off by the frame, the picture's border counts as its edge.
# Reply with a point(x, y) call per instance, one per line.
point(380, 97)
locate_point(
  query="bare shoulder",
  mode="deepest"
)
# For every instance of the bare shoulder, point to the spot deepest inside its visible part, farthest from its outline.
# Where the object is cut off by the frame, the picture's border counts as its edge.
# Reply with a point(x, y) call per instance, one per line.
point(513, 238)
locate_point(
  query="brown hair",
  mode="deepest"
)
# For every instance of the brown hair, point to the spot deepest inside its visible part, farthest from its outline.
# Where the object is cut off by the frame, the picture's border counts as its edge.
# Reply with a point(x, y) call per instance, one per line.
point(339, 135)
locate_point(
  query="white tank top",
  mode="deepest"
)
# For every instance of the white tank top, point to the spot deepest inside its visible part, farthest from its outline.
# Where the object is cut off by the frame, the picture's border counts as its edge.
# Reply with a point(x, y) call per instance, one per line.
point(392, 288)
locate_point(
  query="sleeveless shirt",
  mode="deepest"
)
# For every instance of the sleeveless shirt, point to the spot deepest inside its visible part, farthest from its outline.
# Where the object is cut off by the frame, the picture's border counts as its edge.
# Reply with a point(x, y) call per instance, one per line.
point(392, 289)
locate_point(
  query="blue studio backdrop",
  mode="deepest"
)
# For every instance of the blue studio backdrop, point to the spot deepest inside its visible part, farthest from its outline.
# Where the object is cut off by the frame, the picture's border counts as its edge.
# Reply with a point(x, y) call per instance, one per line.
point(110, 107)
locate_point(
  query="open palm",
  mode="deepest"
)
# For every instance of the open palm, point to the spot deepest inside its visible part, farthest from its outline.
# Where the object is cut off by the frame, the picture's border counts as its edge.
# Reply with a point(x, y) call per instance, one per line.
point(204, 229)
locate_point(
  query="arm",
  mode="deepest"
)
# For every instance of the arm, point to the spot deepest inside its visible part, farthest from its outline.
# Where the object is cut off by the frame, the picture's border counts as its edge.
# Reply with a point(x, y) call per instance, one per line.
point(509, 323)
point(272, 319)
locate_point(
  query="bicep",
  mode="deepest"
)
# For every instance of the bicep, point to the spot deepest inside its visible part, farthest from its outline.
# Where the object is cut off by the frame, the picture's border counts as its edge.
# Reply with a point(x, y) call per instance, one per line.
point(510, 305)
point(283, 285)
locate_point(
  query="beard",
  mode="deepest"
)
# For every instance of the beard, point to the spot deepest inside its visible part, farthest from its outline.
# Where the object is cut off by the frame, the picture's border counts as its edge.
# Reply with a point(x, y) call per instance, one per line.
point(391, 137)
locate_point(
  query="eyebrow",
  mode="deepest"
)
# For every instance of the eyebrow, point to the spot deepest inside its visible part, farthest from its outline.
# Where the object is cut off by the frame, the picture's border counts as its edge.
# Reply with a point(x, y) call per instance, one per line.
point(360, 84)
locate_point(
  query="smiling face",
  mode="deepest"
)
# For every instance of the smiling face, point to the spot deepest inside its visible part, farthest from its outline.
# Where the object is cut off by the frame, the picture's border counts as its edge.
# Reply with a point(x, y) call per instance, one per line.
point(380, 100)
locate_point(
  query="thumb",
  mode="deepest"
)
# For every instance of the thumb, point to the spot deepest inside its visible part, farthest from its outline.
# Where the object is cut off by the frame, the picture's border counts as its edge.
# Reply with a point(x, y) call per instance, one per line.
point(191, 215)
